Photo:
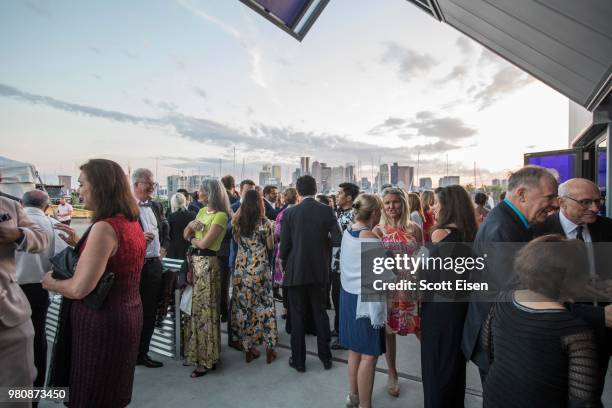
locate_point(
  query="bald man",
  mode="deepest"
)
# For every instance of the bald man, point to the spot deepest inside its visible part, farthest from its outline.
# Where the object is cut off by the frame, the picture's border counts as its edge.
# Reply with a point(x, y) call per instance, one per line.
point(578, 218)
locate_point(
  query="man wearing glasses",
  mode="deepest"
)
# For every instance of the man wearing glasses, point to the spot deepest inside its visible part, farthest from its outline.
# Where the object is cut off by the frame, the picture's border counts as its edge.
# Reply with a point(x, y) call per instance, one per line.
point(578, 218)
point(155, 229)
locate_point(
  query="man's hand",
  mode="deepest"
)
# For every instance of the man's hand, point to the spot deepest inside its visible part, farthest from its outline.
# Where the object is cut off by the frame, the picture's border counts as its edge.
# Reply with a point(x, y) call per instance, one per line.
point(162, 252)
point(149, 236)
point(195, 225)
point(9, 235)
point(608, 313)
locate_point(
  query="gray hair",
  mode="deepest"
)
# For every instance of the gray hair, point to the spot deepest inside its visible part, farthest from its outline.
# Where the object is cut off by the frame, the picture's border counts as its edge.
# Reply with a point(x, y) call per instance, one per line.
point(217, 196)
point(178, 201)
point(35, 198)
point(566, 186)
point(140, 174)
point(529, 176)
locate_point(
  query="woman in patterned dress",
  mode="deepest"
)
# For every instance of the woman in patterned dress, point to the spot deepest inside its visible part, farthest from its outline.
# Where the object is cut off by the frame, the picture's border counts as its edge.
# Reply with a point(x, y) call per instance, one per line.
point(290, 198)
point(205, 233)
point(253, 314)
point(400, 235)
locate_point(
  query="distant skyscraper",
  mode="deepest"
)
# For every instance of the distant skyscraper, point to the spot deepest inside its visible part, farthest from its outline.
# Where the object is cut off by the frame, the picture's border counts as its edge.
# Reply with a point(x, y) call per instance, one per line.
point(295, 175)
point(405, 177)
point(383, 175)
point(277, 171)
point(265, 174)
point(175, 182)
point(448, 181)
point(305, 165)
point(316, 171)
point(425, 183)
point(337, 176)
point(349, 173)
point(394, 174)
point(66, 183)
point(326, 178)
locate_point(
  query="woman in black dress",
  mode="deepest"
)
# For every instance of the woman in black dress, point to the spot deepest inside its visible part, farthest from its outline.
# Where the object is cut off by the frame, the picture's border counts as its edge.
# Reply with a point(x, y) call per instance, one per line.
point(540, 354)
point(443, 313)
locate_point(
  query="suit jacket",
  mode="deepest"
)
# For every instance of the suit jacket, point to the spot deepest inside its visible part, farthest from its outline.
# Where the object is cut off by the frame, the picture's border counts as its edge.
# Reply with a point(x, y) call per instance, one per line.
point(271, 212)
point(14, 306)
point(501, 225)
point(308, 232)
point(600, 231)
point(177, 222)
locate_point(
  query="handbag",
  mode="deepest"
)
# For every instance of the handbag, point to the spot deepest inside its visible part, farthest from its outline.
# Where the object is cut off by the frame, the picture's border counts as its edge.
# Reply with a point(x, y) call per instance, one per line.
point(64, 265)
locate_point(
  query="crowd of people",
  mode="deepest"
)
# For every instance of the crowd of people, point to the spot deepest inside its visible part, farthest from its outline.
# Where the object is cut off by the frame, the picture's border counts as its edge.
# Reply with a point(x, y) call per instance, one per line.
point(245, 248)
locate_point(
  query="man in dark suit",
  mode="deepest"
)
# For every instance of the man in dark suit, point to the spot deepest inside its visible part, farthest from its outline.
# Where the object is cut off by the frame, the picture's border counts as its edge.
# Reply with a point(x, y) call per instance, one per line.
point(156, 232)
point(270, 194)
point(579, 202)
point(308, 233)
point(532, 192)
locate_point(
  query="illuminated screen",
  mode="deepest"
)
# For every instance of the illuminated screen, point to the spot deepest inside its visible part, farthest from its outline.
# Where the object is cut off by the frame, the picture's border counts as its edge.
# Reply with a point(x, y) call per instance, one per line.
point(563, 163)
point(285, 10)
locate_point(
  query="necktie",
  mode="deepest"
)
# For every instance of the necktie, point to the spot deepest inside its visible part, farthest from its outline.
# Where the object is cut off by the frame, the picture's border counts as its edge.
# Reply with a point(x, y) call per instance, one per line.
point(579, 233)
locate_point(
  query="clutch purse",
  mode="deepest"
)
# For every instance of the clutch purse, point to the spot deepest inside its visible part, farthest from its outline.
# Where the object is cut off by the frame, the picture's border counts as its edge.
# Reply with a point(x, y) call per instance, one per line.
point(64, 265)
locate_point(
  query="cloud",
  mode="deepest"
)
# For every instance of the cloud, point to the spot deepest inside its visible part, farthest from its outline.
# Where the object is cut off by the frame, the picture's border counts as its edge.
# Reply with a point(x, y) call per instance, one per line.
point(200, 92)
point(465, 45)
point(131, 55)
point(459, 73)
point(163, 105)
point(426, 124)
point(254, 52)
point(38, 8)
point(443, 128)
point(505, 81)
point(411, 63)
point(95, 50)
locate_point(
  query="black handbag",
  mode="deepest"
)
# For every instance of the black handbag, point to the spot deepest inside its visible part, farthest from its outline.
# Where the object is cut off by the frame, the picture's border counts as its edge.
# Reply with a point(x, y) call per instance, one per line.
point(64, 265)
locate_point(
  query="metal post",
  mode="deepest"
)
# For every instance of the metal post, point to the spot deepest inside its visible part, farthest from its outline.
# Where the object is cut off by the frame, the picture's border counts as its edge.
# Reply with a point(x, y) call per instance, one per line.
point(177, 324)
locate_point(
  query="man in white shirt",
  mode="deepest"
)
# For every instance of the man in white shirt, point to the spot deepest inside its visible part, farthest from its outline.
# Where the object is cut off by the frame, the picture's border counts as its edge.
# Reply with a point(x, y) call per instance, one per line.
point(155, 228)
point(64, 212)
point(31, 268)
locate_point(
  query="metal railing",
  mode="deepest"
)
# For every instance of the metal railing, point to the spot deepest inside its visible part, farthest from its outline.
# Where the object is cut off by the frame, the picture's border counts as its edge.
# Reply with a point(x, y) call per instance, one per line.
point(166, 339)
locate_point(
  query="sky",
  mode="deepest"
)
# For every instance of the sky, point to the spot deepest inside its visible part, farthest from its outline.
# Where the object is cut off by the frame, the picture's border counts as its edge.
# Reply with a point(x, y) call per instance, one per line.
point(178, 86)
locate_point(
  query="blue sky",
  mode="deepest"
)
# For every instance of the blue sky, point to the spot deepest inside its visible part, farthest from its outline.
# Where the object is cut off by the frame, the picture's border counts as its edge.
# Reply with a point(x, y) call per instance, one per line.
point(185, 82)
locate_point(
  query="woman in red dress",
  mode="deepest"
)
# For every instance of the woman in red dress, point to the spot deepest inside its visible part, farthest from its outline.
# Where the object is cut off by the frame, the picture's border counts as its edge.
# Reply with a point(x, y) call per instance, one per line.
point(400, 235)
point(105, 340)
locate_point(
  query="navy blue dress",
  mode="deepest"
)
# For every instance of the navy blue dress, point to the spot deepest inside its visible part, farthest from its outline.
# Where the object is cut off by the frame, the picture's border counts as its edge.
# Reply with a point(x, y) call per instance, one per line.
point(358, 335)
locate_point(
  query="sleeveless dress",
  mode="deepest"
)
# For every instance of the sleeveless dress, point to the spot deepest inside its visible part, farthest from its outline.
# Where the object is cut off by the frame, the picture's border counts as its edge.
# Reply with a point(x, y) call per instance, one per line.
point(402, 312)
point(105, 341)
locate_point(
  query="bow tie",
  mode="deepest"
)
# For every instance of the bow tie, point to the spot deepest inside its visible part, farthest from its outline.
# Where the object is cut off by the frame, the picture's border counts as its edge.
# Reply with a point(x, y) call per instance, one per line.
point(144, 203)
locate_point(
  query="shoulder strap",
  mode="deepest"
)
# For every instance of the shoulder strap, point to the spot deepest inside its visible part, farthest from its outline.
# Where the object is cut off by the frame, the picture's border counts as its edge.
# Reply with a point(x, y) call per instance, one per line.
point(83, 238)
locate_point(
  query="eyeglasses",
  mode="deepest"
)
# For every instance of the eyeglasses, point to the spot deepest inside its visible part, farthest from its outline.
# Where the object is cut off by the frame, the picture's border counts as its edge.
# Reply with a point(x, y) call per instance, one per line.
point(148, 183)
point(587, 202)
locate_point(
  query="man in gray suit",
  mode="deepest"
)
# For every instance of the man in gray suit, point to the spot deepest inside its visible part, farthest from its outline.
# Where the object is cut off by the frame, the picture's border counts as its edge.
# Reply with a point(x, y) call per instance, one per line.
point(17, 232)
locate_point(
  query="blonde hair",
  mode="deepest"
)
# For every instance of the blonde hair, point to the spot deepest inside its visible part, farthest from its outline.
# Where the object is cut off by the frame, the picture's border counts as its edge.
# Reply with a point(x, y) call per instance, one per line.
point(415, 204)
point(178, 201)
point(365, 205)
point(427, 199)
point(404, 218)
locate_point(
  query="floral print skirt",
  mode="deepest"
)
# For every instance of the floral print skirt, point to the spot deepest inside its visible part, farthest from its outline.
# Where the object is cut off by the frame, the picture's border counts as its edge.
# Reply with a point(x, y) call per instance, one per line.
point(202, 336)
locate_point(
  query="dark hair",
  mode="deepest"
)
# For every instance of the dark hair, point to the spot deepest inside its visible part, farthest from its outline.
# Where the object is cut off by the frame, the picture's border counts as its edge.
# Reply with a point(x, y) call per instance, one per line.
point(268, 189)
point(456, 208)
point(110, 190)
point(246, 181)
point(323, 199)
point(250, 213)
point(350, 189)
point(184, 192)
point(228, 181)
point(553, 266)
point(196, 195)
point(306, 186)
point(480, 198)
point(502, 195)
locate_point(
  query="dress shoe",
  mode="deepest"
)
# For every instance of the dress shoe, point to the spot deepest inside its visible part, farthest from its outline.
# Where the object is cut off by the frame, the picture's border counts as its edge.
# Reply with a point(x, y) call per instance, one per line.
point(148, 362)
point(327, 364)
point(299, 369)
point(337, 346)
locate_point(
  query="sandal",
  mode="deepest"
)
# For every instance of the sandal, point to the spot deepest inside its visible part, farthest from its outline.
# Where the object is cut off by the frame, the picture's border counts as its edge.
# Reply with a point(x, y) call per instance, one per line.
point(393, 387)
point(352, 401)
point(198, 373)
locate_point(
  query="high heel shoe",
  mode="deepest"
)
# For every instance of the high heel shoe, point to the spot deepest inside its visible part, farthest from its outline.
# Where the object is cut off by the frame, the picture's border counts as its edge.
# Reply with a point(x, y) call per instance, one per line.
point(270, 355)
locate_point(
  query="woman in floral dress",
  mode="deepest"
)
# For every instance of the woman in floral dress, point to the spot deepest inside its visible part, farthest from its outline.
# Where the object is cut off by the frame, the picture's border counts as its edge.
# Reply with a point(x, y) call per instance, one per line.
point(290, 197)
point(253, 314)
point(400, 235)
